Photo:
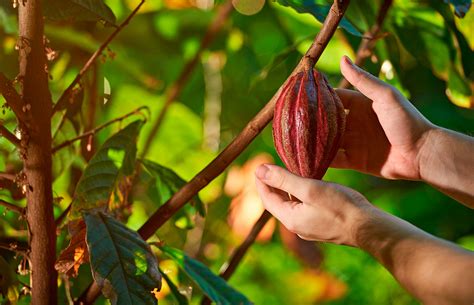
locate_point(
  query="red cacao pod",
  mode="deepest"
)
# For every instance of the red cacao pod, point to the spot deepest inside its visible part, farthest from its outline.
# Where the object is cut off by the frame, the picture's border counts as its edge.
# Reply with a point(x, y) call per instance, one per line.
point(308, 124)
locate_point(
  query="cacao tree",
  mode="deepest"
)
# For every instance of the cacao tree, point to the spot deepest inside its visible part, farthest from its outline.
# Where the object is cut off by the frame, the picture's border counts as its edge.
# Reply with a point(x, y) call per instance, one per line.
point(120, 116)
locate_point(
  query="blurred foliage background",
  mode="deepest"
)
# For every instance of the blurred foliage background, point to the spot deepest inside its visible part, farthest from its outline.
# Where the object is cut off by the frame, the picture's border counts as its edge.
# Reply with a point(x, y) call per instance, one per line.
point(425, 51)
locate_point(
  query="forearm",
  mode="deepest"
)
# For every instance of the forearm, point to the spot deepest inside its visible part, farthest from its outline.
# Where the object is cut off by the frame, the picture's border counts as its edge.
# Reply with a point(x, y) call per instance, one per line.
point(433, 270)
point(446, 161)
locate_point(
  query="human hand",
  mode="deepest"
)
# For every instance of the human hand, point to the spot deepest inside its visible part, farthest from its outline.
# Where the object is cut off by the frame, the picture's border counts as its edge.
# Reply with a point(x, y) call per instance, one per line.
point(384, 131)
point(318, 210)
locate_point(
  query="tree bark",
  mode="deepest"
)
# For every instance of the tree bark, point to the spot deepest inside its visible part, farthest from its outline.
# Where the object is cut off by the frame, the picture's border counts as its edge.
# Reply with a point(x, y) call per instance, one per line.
point(36, 152)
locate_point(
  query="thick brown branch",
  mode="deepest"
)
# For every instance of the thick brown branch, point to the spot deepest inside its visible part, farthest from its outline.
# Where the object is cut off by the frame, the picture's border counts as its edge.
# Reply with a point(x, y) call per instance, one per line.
point(37, 157)
point(238, 254)
point(367, 45)
point(4, 132)
point(12, 207)
point(62, 102)
point(175, 89)
point(97, 129)
point(13, 99)
point(220, 163)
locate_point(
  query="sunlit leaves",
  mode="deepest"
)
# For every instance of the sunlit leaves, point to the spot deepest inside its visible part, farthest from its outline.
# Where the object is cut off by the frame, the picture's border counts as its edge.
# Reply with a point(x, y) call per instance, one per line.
point(121, 261)
point(78, 10)
point(116, 156)
point(212, 285)
point(319, 12)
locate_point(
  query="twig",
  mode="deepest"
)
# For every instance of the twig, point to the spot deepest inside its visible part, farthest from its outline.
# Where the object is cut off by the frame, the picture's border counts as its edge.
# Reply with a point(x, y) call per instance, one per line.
point(7, 176)
point(64, 97)
point(97, 129)
point(367, 45)
point(14, 247)
point(220, 163)
point(13, 99)
point(175, 89)
point(238, 254)
point(12, 207)
point(9, 136)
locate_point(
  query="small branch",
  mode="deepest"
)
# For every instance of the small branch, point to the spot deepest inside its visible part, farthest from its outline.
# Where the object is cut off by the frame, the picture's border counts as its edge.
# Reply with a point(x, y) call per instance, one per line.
point(13, 99)
point(238, 254)
point(367, 45)
point(14, 247)
point(176, 88)
point(65, 96)
point(233, 150)
point(7, 176)
point(97, 129)
point(12, 207)
point(4, 132)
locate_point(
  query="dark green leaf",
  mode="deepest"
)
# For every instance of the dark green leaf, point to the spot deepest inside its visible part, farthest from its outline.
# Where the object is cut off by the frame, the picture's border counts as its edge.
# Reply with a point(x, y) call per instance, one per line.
point(116, 156)
point(164, 182)
point(182, 300)
point(319, 12)
point(78, 10)
point(121, 261)
point(215, 287)
point(461, 7)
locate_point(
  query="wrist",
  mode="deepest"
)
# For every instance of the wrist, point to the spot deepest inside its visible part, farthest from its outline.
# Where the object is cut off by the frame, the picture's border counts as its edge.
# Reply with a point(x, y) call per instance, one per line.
point(360, 217)
point(425, 148)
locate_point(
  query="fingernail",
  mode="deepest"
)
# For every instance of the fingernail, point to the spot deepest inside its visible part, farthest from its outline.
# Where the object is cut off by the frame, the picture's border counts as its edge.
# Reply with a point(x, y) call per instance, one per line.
point(262, 172)
point(348, 60)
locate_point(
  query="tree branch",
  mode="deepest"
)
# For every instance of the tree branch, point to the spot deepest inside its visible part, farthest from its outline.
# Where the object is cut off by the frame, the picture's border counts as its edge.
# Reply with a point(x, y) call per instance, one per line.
point(14, 247)
point(13, 99)
point(9, 136)
point(37, 158)
point(220, 163)
point(175, 89)
point(62, 102)
point(238, 254)
point(367, 45)
point(12, 207)
point(7, 176)
point(97, 129)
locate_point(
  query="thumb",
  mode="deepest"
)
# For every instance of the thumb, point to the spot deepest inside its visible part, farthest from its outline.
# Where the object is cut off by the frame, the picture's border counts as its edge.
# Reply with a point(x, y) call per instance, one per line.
point(280, 178)
point(366, 83)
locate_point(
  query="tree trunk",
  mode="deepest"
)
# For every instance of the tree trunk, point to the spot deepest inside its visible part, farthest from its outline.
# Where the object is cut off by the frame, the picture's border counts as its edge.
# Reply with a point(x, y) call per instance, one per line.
point(36, 147)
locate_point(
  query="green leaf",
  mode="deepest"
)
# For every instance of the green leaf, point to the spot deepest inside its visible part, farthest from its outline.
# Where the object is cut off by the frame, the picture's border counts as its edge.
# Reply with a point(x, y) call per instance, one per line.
point(461, 7)
point(116, 156)
point(8, 283)
point(215, 287)
point(79, 10)
point(319, 12)
point(121, 261)
point(161, 183)
point(7, 20)
point(182, 300)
